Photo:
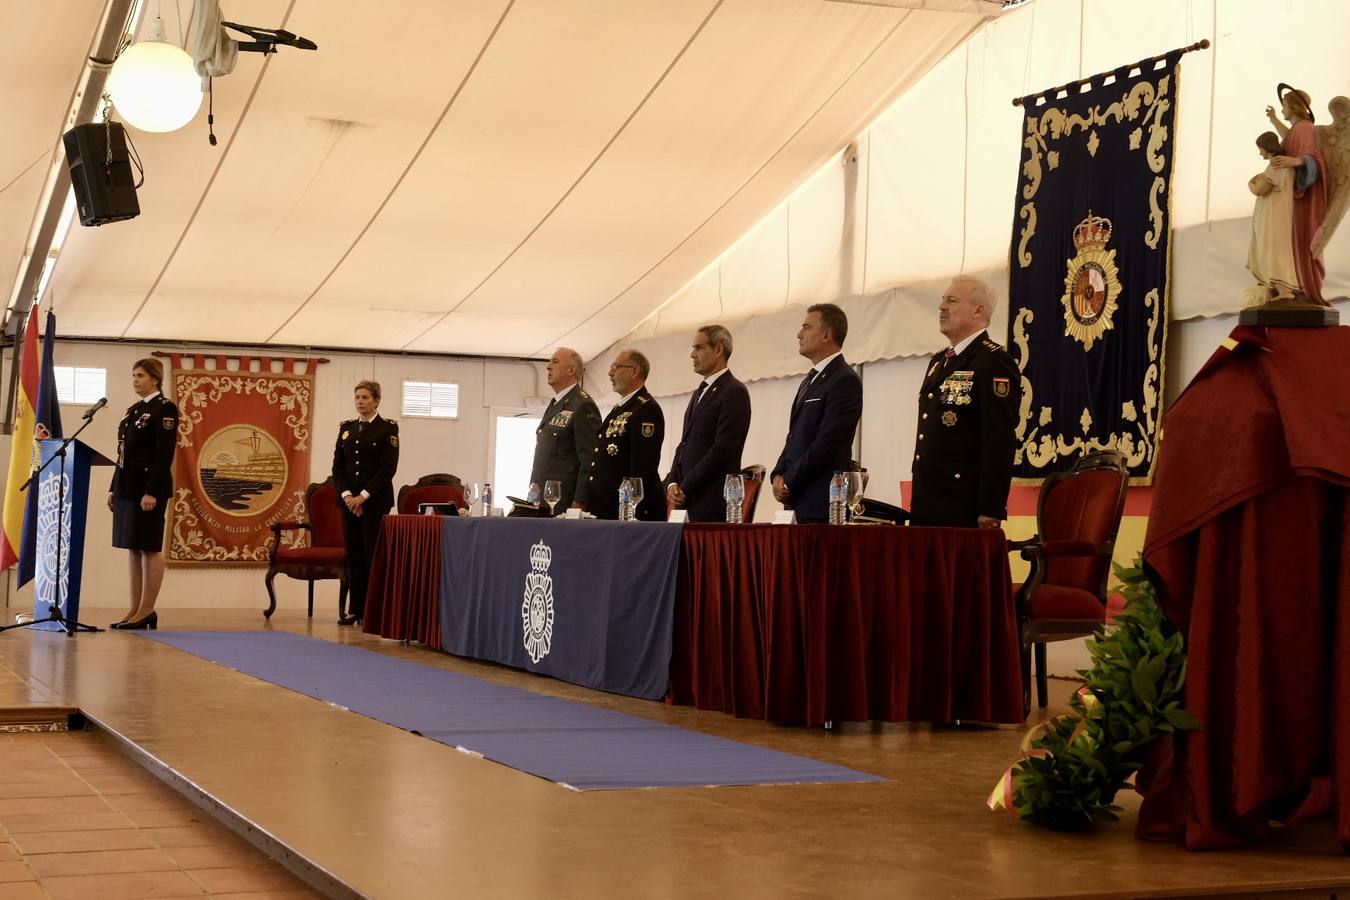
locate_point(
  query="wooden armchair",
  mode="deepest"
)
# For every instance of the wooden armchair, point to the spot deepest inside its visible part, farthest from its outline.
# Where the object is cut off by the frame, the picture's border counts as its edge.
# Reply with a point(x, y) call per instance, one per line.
point(754, 481)
point(324, 558)
point(1064, 597)
point(438, 487)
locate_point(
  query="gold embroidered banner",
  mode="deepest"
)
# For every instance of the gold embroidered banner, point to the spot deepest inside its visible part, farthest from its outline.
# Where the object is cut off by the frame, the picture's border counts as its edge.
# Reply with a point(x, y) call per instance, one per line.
point(1088, 283)
point(242, 461)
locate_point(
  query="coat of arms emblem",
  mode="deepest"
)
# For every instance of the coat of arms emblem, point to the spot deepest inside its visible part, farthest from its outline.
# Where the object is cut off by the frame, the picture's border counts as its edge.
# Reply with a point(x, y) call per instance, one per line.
point(536, 613)
point(1092, 284)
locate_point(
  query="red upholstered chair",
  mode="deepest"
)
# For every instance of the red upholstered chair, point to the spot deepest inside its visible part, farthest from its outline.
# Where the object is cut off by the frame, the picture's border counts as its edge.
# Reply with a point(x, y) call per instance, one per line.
point(322, 559)
point(438, 487)
point(1064, 597)
point(754, 480)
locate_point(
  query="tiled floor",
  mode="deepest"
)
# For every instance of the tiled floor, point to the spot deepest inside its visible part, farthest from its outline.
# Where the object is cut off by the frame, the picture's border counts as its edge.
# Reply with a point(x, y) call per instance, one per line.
point(79, 819)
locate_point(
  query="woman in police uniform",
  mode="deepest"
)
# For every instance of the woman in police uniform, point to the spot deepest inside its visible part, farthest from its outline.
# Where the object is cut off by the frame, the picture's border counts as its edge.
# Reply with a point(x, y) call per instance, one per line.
point(364, 462)
point(142, 485)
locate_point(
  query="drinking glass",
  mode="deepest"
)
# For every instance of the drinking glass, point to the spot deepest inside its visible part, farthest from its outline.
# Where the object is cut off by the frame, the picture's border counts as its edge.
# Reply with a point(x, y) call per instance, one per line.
point(855, 493)
point(552, 494)
point(532, 494)
point(471, 495)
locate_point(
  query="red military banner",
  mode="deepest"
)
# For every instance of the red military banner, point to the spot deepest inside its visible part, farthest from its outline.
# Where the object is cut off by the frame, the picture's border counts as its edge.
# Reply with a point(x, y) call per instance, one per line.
point(242, 461)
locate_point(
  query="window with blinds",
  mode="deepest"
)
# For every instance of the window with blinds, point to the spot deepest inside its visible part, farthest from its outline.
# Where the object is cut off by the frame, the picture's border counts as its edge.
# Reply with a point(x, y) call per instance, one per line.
point(431, 399)
point(79, 384)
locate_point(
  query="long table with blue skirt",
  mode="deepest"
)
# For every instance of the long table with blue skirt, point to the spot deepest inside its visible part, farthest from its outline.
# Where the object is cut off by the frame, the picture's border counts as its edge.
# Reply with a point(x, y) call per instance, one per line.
point(793, 624)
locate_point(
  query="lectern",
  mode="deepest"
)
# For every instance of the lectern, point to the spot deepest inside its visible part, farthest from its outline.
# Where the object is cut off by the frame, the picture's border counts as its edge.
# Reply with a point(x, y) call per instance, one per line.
point(63, 504)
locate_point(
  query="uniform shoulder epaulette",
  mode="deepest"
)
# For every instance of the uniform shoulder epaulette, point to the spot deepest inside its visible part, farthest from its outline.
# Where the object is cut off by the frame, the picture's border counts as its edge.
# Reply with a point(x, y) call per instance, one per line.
point(991, 345)
point(583, 395)
point(393, 422)
point(345, 422)
point(643, 399)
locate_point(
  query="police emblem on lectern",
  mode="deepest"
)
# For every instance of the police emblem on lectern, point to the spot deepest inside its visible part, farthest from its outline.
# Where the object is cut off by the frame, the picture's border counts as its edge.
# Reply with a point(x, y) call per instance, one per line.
point(54, 525)
point(536, 613)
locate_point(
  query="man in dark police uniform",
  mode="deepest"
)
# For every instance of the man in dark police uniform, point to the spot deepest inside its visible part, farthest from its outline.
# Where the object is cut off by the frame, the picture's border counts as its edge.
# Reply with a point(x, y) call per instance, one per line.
point(968, 409)
point(565, 439)
point(629, 444)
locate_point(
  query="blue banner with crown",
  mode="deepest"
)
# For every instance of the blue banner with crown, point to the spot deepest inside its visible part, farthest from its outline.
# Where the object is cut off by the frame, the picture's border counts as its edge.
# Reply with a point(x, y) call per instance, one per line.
point(1087, 310)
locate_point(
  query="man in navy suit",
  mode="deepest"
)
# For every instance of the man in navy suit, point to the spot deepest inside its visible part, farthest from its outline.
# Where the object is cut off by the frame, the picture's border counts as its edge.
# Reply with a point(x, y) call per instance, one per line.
point(715, 425)
point(824, 418)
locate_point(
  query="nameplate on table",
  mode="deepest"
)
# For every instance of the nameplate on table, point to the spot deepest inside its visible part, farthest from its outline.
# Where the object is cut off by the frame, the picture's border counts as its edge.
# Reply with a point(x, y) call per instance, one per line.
point(679, 515)
point(785, 517)
point(573, 512)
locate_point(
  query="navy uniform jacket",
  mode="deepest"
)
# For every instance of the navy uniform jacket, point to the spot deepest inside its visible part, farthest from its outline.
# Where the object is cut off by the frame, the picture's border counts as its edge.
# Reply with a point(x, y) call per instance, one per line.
point(966, 440)
point(710, 447)
point(820, 439)
point(563, 445)
point(629, 443)
point(146, 438)
point(365, 459)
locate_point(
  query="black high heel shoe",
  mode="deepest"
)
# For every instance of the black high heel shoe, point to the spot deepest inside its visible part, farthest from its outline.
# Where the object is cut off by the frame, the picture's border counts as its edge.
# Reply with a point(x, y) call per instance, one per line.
point(150, 622)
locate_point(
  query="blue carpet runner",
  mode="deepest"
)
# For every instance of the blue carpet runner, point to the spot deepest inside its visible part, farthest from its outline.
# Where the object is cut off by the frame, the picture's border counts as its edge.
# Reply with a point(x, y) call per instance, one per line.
point(576, 745)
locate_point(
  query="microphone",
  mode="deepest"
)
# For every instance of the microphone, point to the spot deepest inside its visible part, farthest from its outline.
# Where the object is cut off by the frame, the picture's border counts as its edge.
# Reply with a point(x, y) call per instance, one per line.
point(89, 413)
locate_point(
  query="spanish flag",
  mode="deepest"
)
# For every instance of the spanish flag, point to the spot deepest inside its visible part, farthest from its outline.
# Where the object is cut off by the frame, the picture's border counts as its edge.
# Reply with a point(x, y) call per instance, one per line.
point(21, 450)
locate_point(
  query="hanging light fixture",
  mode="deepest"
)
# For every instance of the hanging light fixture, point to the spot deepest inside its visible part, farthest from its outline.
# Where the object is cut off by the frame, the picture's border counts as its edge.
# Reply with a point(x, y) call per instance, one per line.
point(153, 84)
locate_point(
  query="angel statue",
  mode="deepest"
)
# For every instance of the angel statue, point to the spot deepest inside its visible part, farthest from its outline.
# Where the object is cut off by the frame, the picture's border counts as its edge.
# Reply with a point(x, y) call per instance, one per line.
point(1318, 159)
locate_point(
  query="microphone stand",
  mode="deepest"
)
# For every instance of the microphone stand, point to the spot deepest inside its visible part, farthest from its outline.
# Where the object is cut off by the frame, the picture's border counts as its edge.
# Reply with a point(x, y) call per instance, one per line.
point(54, 611)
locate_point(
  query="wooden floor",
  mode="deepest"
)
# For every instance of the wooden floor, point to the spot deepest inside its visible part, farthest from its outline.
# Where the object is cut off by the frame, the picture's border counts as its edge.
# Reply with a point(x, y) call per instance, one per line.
point(358, 807)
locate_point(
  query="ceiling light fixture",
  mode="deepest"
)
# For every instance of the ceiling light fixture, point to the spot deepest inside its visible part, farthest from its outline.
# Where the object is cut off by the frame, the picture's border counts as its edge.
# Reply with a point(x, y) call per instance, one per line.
point(153, 84)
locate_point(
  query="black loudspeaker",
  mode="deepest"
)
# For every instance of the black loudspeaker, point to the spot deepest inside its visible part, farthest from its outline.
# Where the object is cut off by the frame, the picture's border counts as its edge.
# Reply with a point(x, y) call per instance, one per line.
point(105, 191)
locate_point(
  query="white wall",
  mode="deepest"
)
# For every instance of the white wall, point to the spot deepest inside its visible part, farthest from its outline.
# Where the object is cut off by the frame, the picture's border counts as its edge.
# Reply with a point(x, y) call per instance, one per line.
point(458, 446)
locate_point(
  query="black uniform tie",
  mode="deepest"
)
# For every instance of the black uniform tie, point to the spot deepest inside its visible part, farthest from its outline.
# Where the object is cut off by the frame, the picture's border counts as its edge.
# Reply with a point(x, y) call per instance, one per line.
point(801, 391)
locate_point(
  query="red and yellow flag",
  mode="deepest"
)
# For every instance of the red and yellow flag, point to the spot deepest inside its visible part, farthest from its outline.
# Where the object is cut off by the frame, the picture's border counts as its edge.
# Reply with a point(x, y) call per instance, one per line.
point(21, 449)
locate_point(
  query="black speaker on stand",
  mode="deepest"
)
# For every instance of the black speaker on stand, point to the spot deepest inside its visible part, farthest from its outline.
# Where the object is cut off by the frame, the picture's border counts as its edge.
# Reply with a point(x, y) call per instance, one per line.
point(105, 189)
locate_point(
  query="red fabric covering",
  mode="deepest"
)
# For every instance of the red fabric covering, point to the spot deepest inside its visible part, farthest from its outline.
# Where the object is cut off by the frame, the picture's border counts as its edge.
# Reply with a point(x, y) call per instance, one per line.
point(309, 556)
point(815, 623)
point(1249, 543)
point(403, 601)
point(1051, 601)
point(1079, 514)
point(324, 516)
point(431, 493)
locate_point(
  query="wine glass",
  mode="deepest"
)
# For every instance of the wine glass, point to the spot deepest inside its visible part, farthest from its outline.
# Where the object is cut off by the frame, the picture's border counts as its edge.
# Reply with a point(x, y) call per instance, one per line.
point(637, 493)
point(532, 495)
point(855, 493)
point(470, 495)
point(552, 494)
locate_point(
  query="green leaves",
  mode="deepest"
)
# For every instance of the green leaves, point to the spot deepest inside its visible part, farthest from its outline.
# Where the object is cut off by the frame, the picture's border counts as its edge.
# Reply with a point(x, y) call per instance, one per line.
point(1135, 691)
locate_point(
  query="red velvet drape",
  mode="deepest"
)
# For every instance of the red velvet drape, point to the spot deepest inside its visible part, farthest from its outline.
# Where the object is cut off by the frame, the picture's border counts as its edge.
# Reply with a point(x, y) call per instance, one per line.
point(403, 601)
point(1249, 543)
point(817, 623)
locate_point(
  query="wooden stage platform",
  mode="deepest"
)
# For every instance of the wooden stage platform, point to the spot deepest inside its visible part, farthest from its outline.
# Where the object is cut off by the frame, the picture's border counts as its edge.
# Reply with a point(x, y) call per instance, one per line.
point(356, 807)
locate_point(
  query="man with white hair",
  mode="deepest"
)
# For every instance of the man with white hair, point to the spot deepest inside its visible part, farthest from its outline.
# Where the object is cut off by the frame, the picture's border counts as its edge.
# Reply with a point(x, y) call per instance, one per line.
point(564, 443)
point(968, 409)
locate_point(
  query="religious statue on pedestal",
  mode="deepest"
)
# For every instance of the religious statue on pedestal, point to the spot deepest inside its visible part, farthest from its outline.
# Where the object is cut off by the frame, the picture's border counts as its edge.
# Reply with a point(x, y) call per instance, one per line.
point(1301, 197)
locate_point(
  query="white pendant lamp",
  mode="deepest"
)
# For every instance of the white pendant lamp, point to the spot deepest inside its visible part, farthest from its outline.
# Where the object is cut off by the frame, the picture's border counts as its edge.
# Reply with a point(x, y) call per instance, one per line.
point(153, 84)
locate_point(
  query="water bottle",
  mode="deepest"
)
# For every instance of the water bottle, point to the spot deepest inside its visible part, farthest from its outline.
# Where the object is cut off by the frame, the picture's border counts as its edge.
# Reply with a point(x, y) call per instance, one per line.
point(625, 500)
point(838, 498)
point(487, 498)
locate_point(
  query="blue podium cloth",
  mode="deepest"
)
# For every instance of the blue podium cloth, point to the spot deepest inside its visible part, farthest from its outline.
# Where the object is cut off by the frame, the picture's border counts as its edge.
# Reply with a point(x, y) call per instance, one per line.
point(588, 602)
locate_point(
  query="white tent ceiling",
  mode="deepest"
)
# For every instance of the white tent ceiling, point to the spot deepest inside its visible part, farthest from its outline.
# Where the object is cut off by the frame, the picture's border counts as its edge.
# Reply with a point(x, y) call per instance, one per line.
point(481, 176)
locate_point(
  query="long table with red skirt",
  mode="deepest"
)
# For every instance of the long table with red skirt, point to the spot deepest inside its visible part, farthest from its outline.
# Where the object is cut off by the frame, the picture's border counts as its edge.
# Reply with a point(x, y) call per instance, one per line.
point(795, 624)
